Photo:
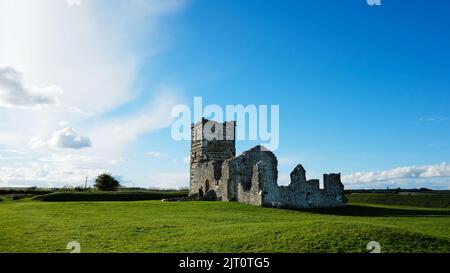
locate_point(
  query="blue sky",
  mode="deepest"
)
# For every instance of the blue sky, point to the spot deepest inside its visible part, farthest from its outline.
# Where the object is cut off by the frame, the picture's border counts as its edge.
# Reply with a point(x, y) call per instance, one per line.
point(362, 90)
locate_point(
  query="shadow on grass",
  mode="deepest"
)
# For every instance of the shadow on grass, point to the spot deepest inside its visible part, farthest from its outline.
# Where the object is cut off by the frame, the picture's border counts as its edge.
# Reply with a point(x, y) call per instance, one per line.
point(361, 210)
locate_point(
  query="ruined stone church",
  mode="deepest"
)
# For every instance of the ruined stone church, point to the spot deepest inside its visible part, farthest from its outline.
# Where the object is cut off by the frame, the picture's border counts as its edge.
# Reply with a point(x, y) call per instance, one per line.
point(216, 172)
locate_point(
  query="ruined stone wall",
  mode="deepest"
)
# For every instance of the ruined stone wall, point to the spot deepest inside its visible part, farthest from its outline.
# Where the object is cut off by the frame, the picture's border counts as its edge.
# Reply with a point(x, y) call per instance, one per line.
point(206, 178)
point(302, 193)
point(245, 175)
point(252, 177)
point(252, 195)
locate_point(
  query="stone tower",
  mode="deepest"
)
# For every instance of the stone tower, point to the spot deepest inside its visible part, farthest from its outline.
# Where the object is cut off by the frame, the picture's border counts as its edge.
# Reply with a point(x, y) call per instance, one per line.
point(211, 141)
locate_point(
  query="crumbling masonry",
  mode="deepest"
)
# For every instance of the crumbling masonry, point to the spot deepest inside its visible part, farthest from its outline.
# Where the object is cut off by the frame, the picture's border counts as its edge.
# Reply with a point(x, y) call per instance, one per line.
point(251, 178)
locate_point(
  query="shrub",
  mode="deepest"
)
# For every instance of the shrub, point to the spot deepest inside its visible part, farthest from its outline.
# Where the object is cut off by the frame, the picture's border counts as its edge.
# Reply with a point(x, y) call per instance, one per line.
point(106, 182)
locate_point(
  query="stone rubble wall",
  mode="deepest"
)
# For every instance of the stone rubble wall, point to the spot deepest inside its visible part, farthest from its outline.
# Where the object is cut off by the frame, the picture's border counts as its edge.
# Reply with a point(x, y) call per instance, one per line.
point(252, 178)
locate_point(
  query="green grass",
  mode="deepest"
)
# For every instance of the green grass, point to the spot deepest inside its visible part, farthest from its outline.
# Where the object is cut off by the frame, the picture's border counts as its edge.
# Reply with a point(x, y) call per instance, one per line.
point(109, 196)
point(154, 226)
point(416, 200)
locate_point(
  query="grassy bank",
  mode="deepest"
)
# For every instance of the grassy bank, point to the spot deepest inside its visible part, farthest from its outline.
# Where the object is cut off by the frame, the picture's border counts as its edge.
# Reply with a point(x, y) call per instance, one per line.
point(416, 200)
point(109, 196)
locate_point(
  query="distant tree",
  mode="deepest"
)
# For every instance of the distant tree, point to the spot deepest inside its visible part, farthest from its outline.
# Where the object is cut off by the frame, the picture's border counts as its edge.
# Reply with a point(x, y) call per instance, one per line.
point(106, 182)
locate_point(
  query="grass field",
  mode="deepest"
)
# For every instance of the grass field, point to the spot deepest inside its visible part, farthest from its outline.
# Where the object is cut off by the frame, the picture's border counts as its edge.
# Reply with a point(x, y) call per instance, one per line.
point(405, 199)
point(154, 226)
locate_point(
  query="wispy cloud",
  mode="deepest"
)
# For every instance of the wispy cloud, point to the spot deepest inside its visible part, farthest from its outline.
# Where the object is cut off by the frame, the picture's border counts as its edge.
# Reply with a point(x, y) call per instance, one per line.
point(121, 130)
point(52, 171)
point(155, 154)
point(412, 172)
point(433, 119)
point(13, 152)
point(90, 52)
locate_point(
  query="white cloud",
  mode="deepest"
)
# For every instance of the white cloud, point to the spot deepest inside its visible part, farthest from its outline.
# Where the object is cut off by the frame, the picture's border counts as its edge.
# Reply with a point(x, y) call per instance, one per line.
point(431, 171)
point(87, 50)
point(56, 170)
point(69, 138)
point(52, 170)
point(48, 174)
point(52, 42)
point(91, 53)
point(14, 92)
point(66, 138)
